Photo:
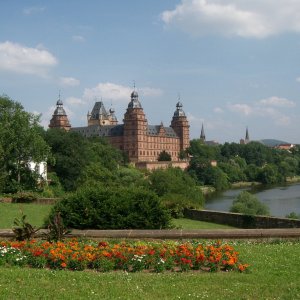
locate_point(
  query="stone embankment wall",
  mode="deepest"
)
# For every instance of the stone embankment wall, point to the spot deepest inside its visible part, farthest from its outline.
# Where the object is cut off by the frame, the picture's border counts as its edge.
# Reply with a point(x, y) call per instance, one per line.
point(240, 220)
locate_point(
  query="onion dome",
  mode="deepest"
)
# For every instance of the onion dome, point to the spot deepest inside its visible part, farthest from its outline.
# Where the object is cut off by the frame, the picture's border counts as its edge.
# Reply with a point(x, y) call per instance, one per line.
point(134, 103)
point(179, 112)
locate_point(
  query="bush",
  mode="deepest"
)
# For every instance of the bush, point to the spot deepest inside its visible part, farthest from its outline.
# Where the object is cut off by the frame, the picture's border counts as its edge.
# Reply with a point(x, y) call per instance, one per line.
point(112, 208)
point(293, 215)
point(248, 204)
point(23, 198)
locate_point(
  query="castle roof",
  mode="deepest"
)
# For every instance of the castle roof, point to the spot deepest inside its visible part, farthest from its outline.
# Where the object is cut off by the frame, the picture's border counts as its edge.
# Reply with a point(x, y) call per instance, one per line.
point(97, 130)
point(118, 130)
point(134, 103)
point(99, 111)
point(154, 130)
point(179, 111)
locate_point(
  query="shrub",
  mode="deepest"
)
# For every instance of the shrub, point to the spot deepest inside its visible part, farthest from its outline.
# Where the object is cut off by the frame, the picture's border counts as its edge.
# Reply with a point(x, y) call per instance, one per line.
point(23, 197)
point(23, 230)
point(248, 204)
point(293, 215)
point(112, 208)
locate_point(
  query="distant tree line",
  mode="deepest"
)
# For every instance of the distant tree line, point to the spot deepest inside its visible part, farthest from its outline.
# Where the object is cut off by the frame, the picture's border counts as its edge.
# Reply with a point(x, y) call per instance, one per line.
point(241, 162)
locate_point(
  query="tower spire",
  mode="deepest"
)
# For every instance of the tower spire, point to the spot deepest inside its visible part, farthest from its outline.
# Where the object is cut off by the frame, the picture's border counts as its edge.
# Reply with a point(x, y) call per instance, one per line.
point(247, 139)
point(202, 135)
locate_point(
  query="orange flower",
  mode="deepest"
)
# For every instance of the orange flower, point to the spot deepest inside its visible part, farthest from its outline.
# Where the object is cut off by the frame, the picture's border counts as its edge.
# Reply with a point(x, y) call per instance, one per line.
point(63, 264)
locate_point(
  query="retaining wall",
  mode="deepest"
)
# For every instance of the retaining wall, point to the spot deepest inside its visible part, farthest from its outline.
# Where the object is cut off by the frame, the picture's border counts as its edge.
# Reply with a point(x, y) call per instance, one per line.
point(240, 220)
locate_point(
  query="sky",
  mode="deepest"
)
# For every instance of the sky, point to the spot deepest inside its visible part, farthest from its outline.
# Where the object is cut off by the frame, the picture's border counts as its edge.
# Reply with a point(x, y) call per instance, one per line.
point(232, 63)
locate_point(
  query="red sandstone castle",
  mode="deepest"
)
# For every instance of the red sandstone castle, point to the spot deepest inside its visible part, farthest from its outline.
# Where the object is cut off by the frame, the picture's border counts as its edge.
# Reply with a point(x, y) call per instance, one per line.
point(142, 142)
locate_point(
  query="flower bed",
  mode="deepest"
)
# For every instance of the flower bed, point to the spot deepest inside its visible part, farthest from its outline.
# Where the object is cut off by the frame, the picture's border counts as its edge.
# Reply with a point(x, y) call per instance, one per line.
point(131, 257)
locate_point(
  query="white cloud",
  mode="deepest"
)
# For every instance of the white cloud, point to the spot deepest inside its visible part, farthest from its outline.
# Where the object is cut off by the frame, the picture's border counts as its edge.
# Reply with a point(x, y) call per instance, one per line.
point(33, 10)
point(241, 108)
point(108, 90)
point(116, 92)
point(218, 110)
point(78, 38)
point(269, 108)
point(69, 81)
point(74, 101)
point(20, 59)
point(243, 18)
point(276, 101)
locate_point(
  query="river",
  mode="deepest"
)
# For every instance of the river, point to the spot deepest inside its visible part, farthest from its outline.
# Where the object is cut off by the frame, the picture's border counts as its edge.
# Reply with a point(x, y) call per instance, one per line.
point(281, 200)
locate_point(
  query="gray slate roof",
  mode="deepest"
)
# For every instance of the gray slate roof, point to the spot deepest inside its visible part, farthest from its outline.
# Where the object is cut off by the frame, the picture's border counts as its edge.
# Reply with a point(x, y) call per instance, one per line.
point(96, 130)
point(118, 130)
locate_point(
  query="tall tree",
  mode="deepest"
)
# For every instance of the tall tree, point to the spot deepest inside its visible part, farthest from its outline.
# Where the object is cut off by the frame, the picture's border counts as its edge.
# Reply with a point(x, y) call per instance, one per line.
point(20, 140)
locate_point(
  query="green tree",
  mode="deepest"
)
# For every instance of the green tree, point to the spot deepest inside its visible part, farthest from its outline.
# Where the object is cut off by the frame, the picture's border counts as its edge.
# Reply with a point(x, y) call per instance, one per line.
point(248, 204)
point(164, 156)
point(177, 189)
point(70, 151)
point(269, 174)
point(21, 142)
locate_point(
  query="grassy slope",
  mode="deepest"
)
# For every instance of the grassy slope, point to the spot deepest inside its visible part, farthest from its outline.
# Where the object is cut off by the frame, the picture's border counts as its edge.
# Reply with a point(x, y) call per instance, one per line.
point(274, 275)
point(193, 224)
point(35, 213)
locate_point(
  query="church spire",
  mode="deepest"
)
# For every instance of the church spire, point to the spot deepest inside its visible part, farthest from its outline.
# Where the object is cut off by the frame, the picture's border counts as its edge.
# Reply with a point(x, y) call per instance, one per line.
point(202, 135)
point(247, 139)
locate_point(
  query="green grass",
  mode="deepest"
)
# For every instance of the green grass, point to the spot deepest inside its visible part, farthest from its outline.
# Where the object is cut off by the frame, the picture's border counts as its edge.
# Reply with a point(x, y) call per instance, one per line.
point(193, 224)
point(35, 213)
point(274, 275)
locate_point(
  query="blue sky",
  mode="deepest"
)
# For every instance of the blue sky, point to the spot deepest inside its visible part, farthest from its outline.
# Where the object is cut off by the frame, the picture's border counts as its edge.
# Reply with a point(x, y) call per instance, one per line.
point(233, 63)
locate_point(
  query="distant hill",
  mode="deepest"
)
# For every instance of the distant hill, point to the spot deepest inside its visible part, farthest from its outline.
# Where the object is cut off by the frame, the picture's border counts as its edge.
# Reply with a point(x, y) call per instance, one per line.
point(272, 142)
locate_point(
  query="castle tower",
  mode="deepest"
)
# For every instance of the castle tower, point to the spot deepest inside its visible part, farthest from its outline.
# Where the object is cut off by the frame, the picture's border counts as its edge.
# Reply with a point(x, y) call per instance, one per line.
point(202, 135)
point(59, 117)
point(181, 126)
point(135, 129)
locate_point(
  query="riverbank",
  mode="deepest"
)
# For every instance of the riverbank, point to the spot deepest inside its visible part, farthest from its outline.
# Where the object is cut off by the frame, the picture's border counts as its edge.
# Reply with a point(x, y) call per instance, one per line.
point(294, 179)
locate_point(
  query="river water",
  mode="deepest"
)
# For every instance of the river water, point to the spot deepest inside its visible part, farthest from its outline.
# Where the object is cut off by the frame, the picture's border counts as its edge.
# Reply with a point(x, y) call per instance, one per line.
point(281, 200)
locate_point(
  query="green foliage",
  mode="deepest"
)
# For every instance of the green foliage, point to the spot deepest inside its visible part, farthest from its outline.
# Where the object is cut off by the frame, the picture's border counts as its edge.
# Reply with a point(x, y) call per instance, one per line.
point(21, 141)
point(70, 155)
point(164, 156)
point(251, 162)
point(293, 215)
point(23, 197)
point(56, 229)
point(177, 189)
point(269, 174)
point(248, 204)
point(23, 230)
point(112, 208)
point(80, 161)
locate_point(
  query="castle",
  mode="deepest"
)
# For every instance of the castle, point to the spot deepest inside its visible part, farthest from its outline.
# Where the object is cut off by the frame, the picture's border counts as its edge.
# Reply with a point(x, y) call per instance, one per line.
point(141, 142)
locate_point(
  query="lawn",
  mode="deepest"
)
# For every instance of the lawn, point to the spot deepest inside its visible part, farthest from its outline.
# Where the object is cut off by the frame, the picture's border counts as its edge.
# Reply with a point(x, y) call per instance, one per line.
point(193, 224)
point(35, 213)
point(274, 274)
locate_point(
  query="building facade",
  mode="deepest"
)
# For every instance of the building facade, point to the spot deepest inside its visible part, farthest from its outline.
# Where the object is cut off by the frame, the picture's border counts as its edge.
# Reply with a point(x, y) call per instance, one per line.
point(142, 142)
